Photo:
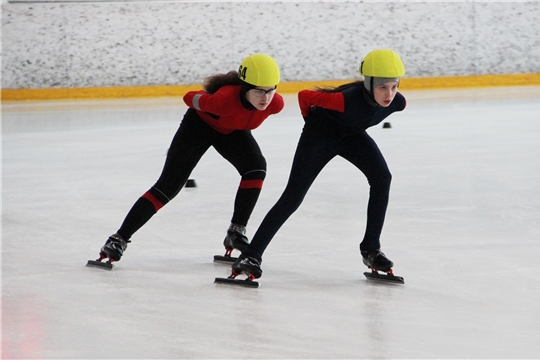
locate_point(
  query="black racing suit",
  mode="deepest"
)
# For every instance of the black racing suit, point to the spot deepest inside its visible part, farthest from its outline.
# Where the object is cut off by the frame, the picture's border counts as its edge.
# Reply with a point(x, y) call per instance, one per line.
point(330, 133)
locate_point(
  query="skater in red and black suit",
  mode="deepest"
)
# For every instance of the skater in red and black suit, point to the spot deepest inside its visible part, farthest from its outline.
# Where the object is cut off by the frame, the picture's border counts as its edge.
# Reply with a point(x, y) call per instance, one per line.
point(335, 125)
point(222, 115)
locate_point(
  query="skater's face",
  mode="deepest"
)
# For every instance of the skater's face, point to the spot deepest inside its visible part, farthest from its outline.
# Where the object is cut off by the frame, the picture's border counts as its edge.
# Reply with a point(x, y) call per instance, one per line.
point(260, 97)
point(385, 93)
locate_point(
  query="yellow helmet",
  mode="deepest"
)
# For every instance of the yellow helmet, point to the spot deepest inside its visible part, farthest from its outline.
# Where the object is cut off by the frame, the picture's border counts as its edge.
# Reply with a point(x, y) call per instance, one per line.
point(384, 63)
point(259, 70)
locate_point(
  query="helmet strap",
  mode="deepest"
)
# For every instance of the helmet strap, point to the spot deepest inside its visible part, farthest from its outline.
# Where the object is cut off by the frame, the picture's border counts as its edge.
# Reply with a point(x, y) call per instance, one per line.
point(370, 98)
point(368, 82)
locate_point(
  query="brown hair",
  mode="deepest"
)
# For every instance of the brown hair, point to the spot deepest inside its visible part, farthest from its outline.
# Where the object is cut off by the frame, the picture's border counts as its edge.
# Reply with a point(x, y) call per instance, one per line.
point(212, 83)
point(342, 87)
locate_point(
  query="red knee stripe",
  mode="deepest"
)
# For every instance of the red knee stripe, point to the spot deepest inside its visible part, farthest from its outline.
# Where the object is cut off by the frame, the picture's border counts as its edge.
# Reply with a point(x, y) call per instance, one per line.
point(251, 184)
point(157, 204)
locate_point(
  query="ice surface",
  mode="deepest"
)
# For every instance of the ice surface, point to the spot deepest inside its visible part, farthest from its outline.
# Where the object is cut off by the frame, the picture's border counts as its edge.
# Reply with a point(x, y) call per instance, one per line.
point(463, 228)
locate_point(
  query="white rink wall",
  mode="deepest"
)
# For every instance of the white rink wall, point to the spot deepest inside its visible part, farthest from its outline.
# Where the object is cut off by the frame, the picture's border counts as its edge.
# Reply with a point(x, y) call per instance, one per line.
point(90, 44)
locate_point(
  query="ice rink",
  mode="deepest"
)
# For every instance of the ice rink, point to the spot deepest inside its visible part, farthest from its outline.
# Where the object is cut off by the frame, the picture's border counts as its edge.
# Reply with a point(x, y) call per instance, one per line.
point(463, 229)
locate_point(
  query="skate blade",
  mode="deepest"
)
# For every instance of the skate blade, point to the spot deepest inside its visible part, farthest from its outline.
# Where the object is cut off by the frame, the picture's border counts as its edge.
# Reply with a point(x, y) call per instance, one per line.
point(229, 281)
point(225, 259)
point(99, 264)
point(384, 278)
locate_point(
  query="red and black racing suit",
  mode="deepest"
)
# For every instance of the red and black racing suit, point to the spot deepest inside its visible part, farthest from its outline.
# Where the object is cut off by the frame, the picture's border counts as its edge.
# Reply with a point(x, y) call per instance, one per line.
point(223, 120)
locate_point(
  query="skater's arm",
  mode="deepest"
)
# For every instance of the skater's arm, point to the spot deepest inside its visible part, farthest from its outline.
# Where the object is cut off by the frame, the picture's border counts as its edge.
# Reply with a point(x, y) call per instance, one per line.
point(400, 101)
point(309, 98)
point(211, 103)
point(277, 104)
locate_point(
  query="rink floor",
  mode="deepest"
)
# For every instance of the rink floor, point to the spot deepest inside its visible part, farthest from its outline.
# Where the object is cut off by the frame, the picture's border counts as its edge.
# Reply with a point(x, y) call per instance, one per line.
point(463, 229)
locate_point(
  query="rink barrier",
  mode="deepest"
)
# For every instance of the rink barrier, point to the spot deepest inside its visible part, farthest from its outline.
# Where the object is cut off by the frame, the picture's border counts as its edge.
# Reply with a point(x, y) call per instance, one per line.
point(427, 83)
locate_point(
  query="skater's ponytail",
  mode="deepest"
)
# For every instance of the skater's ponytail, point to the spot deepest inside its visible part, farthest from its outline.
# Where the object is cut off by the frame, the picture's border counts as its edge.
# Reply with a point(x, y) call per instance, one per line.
point(358, 83)
point(213, 83)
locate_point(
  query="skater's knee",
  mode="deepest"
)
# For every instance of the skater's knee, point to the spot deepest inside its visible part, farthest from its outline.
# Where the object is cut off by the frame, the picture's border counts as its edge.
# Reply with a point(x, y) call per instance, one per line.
point(253, 179)
point(259, 162)
point(386, 178)
point(252, 164)
point(382, 180)
point(290, 200)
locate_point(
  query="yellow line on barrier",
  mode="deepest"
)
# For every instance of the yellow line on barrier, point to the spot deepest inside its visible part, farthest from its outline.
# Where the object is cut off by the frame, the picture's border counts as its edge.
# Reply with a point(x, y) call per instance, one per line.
point(471, 81)
point(445, 82)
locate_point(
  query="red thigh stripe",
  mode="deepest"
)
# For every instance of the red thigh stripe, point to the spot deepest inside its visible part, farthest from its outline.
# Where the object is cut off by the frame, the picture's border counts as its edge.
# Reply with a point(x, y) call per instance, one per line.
point(251, 184)
point(157, 204)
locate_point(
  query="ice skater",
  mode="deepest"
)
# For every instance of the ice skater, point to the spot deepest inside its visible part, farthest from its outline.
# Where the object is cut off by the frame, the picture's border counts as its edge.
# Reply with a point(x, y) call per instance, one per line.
point(336, 120)
point(222, 115)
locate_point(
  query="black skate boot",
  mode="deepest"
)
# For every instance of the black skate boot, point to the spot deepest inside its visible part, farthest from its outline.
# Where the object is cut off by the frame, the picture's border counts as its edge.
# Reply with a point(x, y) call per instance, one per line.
point(235, 239)
point(248, 265)
point(113, 250)
point(376, 260)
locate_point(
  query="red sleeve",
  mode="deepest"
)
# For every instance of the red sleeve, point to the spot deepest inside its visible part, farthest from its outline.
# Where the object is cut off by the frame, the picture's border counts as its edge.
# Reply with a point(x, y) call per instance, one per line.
point(212, 103)
point(188, 97)
point(278, 103)
point(330, 101)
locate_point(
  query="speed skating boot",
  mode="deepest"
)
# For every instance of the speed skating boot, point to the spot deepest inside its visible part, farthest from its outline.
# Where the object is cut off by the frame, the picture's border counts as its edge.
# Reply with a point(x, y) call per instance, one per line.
point(236, 238)
point(376, 259)
point(114, 247)
point(248, 265)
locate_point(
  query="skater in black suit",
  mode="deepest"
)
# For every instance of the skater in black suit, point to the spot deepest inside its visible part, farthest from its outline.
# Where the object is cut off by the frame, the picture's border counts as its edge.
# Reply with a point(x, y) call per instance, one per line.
point(336, 120)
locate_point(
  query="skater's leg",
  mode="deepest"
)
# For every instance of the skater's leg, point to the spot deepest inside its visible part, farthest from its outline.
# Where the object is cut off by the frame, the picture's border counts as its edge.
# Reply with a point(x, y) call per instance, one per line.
point(243, 152)
point(188, 145)
point(364, 153)
point(313, 152)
